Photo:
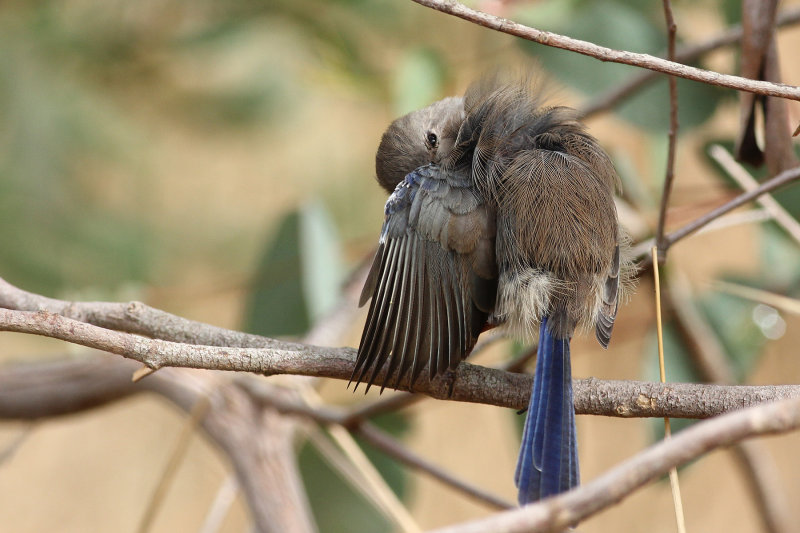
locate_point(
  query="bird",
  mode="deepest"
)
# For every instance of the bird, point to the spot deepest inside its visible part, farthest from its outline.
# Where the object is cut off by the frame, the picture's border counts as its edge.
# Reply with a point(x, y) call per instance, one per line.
point(501, 214)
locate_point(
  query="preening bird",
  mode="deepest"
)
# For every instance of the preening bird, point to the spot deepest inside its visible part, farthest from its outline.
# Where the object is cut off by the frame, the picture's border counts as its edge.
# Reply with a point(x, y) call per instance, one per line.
point(501, 214)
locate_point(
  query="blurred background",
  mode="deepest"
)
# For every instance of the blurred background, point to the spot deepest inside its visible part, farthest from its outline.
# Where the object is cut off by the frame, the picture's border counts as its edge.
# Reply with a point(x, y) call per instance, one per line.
point(216, 160)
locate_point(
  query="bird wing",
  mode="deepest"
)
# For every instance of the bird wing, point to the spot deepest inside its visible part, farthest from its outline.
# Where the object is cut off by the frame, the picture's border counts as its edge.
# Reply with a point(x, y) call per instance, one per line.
point(604, 322)
point(433, 280)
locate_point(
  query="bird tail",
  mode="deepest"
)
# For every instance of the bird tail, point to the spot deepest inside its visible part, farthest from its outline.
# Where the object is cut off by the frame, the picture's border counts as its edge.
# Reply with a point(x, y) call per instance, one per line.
point(548, 455)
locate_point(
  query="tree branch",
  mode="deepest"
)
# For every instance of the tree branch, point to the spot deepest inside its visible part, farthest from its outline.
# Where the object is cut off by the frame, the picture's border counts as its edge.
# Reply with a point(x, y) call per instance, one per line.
point(685, 54)
point(784, 178)
point(469, 383)
point(451, 7)
point(255, 440)
point(560, 512)
point(136, 317)
point(672, 136)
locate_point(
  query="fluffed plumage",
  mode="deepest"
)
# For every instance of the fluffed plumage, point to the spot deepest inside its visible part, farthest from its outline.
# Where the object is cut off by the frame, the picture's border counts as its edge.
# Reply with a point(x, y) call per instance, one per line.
point(501, 214)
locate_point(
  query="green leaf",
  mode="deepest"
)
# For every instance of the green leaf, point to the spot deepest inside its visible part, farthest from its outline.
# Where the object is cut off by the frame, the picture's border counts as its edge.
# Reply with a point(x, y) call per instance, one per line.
point(322, 268)
point(606, 23)
point(649, 108)
point(337, 507)
point(276, 305)
point(732, 319)
point(780, 258)
point(298, 278)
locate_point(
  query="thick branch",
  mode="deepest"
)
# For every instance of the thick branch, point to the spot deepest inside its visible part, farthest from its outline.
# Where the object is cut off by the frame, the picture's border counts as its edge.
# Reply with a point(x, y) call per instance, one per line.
point(602, 53)
point(558, 513)
point(136, 317)
point(258, 443)
point(470, 383)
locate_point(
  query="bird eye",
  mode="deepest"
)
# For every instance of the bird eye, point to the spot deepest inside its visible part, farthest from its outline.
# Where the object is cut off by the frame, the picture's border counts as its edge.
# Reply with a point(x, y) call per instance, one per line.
point(432, 139)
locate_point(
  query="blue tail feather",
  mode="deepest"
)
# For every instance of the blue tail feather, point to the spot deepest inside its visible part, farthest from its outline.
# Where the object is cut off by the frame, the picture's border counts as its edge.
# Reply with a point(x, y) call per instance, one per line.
point(548, 456)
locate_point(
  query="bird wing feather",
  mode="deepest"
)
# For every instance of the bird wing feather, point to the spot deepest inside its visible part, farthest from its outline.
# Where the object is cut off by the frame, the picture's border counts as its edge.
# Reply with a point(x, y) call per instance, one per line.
point(430, 280)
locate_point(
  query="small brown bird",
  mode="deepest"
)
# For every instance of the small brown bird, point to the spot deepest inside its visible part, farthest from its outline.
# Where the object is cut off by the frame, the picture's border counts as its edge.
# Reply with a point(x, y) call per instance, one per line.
point(501, 214)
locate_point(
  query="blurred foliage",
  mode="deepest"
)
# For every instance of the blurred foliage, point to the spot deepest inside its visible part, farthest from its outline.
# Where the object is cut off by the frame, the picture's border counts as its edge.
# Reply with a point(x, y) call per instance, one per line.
point(297, 282)
point(731, 318)
point(57, 231)
point(788, 197)
point(633, 26)
point(298, 279)
point(780, 261)
point(418, 80)
point(68, 74)
point(348, 511)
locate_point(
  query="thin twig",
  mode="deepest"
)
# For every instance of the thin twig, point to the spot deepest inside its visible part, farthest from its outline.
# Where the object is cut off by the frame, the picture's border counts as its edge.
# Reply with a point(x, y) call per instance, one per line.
point(673, 472)
point(747, 182)
point(457, 9)
point(779, 301)
point(782, 179)
point(686, 54)
point(226, 495)
point(11, 448)
point(391, 447)
point(197, 413)
point(672, 135)
point(641, 250)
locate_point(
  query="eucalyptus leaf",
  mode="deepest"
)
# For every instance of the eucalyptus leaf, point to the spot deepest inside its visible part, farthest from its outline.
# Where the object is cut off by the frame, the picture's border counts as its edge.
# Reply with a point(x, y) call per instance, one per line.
point(322, 267)
point(299, 277)
point(337, 506)
point(606, 23)
point(732, 319)
point(780, 258)
point(276, 304)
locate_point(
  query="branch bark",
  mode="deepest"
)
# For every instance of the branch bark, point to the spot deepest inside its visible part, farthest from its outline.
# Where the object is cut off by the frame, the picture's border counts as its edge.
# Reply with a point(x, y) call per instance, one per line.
point(469, 383)
point(257, 441)
point(685, 54)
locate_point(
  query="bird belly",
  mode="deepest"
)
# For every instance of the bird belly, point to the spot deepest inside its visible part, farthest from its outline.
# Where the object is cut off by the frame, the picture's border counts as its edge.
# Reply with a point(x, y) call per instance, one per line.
point(523, 297)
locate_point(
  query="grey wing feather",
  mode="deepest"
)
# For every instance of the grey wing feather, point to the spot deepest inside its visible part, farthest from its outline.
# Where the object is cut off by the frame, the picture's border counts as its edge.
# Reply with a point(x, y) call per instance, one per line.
point(610, 302)
point(428, 296)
